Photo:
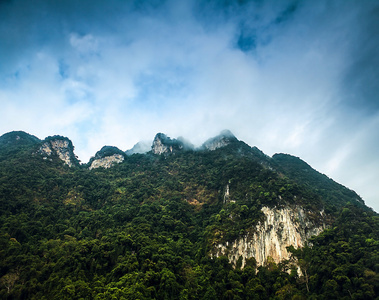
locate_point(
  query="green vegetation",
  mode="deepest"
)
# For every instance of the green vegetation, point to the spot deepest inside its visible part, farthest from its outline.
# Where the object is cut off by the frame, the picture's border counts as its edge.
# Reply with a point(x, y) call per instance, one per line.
point(334, 193)
point(144, 229)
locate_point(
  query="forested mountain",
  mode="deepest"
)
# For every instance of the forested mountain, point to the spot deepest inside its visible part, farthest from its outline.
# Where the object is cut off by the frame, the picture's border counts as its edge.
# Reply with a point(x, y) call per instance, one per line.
point(224, 221)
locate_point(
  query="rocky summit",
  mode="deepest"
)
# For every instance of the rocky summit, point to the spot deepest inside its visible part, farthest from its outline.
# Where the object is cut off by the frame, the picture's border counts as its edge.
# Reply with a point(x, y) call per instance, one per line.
point(163, 144)
point(223, 139)
point(59, 146)
point(106, 157)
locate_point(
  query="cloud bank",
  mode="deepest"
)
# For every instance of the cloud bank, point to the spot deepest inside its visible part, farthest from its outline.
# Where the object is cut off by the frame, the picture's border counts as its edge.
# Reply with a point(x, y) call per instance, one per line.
point(298, 77)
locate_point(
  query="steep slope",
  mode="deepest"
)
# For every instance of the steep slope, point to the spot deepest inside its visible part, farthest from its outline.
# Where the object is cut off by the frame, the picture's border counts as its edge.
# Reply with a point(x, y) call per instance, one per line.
point(300, 172)
point(281, 228)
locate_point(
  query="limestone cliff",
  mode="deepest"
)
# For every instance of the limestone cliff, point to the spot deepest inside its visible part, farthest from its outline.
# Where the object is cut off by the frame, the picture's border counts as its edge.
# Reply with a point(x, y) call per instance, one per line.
point(106, 157)
point(107, 161)
point(281, 228)
point(61, 147)
point(163, 144)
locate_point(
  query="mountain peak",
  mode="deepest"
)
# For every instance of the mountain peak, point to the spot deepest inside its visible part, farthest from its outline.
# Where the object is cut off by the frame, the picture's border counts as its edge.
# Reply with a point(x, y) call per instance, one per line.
point(18, 138)
point(108, 151)
point(225, 138)
point(227, 133)
point(106, 157)
point(163, 144)
point(60, 146)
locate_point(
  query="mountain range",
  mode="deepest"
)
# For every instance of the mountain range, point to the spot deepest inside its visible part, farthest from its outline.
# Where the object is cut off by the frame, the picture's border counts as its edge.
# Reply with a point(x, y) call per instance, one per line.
point(172, 221)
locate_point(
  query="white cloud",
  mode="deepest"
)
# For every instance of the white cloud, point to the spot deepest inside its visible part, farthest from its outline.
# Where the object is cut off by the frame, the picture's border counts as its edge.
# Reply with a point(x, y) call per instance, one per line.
point(87, 44)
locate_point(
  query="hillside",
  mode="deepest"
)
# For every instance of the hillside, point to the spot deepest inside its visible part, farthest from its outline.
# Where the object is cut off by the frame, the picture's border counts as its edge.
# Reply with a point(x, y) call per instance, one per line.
point(223, 221)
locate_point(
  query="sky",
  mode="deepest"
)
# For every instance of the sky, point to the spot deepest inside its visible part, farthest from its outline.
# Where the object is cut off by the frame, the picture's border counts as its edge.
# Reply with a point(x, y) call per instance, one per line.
point(296, 77)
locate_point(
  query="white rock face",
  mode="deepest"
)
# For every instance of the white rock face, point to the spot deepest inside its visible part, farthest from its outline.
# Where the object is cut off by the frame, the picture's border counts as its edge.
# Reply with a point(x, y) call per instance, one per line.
point(60, 147)
point(160, 148)
point(227, 195)
point(282, 228)
point(163, 144)
point(107, 162)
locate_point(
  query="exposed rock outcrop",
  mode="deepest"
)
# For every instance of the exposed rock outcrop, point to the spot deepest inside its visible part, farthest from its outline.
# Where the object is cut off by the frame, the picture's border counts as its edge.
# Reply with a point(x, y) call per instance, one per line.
point(107, 157)
point(223, 139)
point(227, 195)
point(162, 144)
point(61, 147)
point(282, 228)
point(107, 161)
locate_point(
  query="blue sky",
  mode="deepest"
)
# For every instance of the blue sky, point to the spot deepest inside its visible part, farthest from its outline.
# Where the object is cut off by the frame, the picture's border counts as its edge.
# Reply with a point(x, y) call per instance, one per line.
point(298, 77)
